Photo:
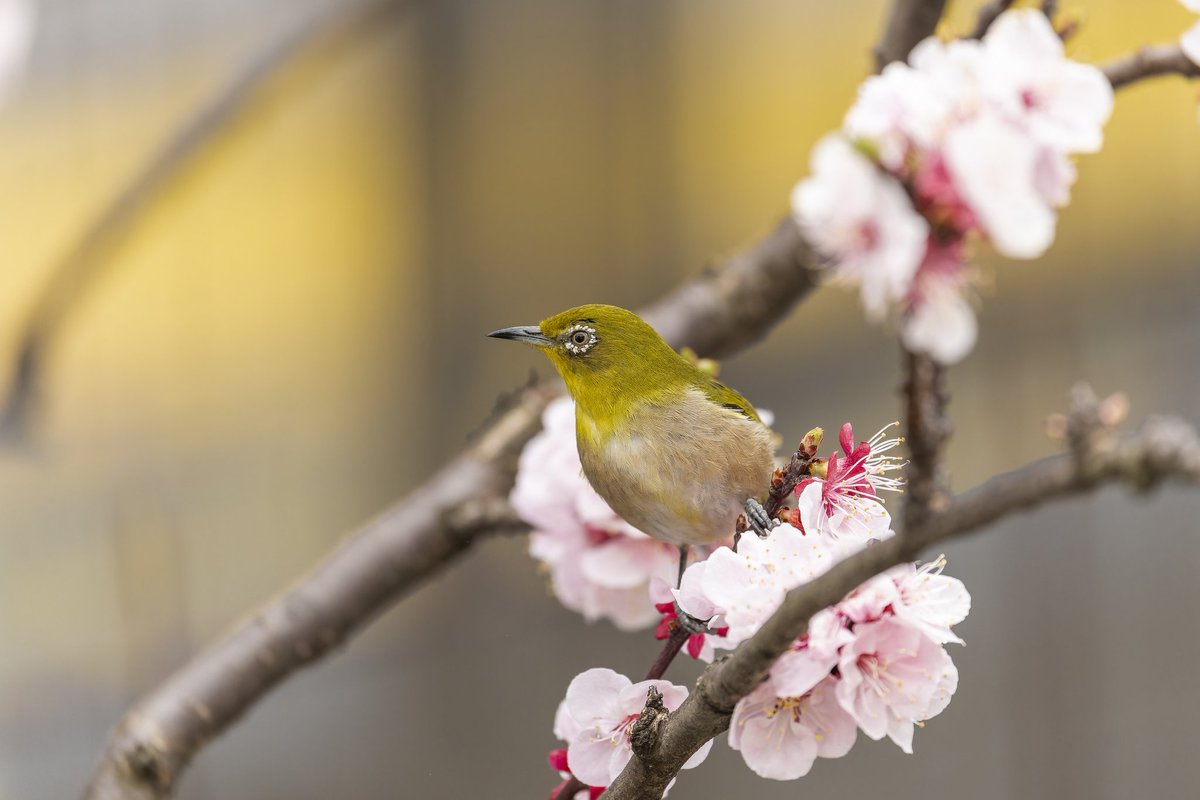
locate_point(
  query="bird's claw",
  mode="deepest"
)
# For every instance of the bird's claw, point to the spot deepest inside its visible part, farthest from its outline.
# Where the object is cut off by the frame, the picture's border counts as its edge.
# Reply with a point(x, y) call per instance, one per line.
point(689, 623)
point(756, 517)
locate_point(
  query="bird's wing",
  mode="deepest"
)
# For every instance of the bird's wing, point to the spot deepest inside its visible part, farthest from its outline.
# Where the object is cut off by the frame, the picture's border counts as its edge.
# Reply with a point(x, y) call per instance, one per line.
point(723, 396)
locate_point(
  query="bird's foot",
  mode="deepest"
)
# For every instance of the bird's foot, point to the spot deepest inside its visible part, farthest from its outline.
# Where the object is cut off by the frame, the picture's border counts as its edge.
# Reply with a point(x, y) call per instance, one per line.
point(689, 623)
point(756, 517)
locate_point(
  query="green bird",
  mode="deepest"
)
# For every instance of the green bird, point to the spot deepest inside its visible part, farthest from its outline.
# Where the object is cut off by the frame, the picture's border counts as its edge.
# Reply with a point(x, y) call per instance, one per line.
point(676, 453)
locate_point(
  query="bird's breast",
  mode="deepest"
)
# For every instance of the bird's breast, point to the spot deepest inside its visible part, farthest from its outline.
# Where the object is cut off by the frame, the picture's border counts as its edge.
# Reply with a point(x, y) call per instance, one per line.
point(679, 471)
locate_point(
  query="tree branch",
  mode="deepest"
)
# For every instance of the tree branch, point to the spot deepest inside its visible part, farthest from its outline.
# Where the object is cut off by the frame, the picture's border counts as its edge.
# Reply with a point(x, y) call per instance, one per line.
point(1163, 449)
point(908, 23)
point(1150, 61)
point(927, 429)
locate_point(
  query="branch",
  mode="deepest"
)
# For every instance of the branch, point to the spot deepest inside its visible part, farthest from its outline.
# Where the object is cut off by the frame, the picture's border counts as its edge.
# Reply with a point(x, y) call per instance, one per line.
point(926, 430)
point(1164, 449)
point(909, 22)
point(1150, 61)
point(731, 307)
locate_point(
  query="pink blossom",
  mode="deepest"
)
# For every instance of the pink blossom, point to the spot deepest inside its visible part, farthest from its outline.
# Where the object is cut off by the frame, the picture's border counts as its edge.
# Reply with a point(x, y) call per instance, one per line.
point(599, 564)
point(995, 166)
point(919, 596)
point(1190, 41)
point(892, 677)
point(605, 705)
point(930, 601)
point(566, 729)
point(863, 220)
point(750, 584)
point(941, 323)
point(814, 655)
point(780, 736)
point(1061, 103)
point(845, 503)
point(897, 111)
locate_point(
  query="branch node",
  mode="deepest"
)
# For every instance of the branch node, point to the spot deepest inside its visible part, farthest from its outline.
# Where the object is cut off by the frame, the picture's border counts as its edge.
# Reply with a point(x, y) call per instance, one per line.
point(643, 736)
point(149, 765)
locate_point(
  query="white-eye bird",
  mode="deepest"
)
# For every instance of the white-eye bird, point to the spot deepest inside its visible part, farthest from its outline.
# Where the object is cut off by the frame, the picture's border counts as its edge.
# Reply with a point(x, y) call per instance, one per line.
point(676, 453)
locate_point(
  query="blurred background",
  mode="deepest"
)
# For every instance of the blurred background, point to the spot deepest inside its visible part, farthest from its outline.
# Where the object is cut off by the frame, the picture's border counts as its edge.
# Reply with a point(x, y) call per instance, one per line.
point(290, 336)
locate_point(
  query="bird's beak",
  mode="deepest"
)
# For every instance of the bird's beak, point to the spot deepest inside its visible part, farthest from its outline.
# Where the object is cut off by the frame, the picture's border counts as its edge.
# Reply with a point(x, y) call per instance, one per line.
point(523, 333)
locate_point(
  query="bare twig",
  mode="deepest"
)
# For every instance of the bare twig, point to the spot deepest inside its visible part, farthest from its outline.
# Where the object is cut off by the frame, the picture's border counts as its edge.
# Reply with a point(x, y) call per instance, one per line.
point(1163, 449)
point(908, 23)
point(927, 429)
point(988, 14)
point(1150, 61)
point(84, 261)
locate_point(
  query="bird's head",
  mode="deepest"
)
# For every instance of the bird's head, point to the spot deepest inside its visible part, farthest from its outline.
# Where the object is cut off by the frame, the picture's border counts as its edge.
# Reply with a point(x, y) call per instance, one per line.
point(603, 349)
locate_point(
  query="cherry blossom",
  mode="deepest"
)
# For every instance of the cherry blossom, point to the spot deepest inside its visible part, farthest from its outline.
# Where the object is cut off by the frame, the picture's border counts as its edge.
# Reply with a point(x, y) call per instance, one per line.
point(599, 564)
point(919, 596)
point(780, 736)
point(941, 322)
point(1062, 104)
point(604, 705)
point(689, 598)
point(845, 503)
point(892, 677)
point(747, 586)
point(814, 655)
point(860, 217)
point(968, 140)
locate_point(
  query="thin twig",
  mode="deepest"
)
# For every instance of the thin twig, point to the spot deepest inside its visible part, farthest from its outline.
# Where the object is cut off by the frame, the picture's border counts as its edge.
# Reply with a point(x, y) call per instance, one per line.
point(908, 22)
point(1150, 61)
point(927, 429)
point(1164, 449)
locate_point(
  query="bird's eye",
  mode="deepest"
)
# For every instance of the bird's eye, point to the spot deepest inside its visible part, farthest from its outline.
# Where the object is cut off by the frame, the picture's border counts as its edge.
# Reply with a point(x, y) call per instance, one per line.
point(580, 339)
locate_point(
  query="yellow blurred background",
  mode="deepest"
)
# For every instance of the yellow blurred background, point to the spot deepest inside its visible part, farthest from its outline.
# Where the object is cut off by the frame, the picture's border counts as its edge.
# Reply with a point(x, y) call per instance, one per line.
point(292, 336)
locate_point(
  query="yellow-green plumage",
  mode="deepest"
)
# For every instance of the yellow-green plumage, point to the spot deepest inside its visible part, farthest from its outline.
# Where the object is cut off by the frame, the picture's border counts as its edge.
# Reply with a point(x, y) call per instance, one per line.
point(671, 449)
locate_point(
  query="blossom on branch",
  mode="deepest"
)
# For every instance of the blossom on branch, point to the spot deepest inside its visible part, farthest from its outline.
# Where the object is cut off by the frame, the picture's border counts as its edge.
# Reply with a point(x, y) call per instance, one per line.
point(874, 661)
point(598, 715)
point(781, 737)
point(845, 502)
point(968, 140)
point(892, 677)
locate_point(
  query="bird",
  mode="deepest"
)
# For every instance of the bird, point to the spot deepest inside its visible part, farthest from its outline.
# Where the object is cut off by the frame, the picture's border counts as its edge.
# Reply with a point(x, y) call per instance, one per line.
point(673, 451)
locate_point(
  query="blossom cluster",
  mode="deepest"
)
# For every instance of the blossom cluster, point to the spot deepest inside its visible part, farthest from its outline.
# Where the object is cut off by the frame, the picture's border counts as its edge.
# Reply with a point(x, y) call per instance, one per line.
point(969, 139)
point(595, 720)
point(874, 662)
point(599, 565)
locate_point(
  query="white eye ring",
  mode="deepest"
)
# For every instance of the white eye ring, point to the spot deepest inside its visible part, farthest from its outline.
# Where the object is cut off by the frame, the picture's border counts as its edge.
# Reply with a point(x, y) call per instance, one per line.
point(579, 348)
